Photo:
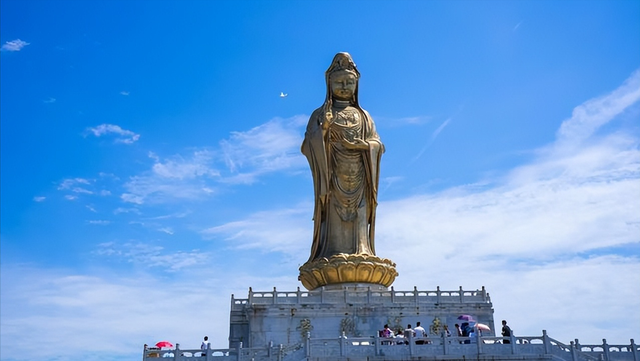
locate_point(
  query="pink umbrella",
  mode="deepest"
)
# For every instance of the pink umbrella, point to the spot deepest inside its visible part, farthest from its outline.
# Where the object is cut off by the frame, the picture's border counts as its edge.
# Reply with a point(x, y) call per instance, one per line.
point(483, 327)
point(162, 344)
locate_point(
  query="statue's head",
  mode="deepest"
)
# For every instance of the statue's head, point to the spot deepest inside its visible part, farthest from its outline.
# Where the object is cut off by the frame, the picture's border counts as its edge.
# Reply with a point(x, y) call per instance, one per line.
point(342, 79)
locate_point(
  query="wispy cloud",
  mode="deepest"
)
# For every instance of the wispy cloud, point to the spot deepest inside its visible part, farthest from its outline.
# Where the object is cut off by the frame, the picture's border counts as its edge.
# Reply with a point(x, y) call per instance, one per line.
point(436, 132)
point(14, 45)
point(122, 135)
point(124, 93)
point(71, 182)
point(278, 230)
point(56, 306)
point(433, 137)
point(100, 222)
point(590, 116)
point(76, 185)
point(39, 199)
point(416, 120)
point(175, 178)
point(126, 210)
point(517, 26)
point(151, 256)
point(270, 147)
point(166, 230)
point(241, 159)
point(49, 100)
point(180, 168)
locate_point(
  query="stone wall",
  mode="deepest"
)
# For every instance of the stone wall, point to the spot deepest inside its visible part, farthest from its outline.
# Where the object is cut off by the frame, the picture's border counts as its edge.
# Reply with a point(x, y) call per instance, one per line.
point(355, 310)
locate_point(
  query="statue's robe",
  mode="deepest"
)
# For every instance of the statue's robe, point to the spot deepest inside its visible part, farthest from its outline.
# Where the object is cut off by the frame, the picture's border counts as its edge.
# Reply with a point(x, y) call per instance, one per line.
point(345, 182)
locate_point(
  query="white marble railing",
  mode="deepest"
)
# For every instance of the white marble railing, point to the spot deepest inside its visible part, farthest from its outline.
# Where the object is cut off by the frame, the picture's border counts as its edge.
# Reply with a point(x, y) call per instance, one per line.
point(527, 347)
point(370, 296)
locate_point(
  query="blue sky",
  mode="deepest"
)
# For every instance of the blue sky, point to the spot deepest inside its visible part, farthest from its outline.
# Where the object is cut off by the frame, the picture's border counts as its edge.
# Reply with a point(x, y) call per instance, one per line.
point(149, 168)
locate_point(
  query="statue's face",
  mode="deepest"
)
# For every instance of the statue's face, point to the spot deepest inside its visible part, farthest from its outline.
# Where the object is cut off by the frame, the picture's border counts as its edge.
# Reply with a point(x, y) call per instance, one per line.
point(343, 85)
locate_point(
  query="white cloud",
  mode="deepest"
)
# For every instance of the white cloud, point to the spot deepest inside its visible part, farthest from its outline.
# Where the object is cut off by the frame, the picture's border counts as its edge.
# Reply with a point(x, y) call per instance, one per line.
point(39, 199)
point(99, 222)
point(126, 210)
point(433, 137)
point(49, 100)
point(180, 168)
point(166, 230)
point(124, 93)
point(417, 120)
point(81, 190)
point(102, 319)
point(150, 256)
point(14, 45)
point(70, 182)
point(436, 132)
point(591, 115)
point(122, 135)
point(517, 26)
point(70, 197)
point(171, 179)
point(272, 146)
point(278, 230)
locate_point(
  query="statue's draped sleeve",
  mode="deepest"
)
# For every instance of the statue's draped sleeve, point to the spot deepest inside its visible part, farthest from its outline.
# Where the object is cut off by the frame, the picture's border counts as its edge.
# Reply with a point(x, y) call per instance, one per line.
point(313, 147)
point(372, 163)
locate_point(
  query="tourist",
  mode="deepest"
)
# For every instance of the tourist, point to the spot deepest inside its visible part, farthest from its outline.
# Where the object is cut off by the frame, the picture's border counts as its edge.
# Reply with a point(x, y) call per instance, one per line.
point(205, 345)
point(408, 334)
point(465, 331)
point(458, 331)
point(400, 340)
point(420, 334)
point(446, 331)
point(506, 332)
point(386, 333)
point(473, 334)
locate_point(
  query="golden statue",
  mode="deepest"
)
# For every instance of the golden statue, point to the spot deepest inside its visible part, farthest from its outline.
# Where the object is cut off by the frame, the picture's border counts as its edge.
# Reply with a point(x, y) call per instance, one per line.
point(344, 150)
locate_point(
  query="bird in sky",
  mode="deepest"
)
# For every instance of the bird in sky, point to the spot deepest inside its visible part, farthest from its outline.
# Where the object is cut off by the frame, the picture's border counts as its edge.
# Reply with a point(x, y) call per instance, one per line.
point(283, 95)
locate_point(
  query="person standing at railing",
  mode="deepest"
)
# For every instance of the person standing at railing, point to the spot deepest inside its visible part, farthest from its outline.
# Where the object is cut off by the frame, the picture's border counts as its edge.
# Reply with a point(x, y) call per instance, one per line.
point(420, 334)
point(446, 331)
point(205, 346)
point(408, 334)
point(386, 333)
point(458, 330)
point(506, 332)
point(399, 336)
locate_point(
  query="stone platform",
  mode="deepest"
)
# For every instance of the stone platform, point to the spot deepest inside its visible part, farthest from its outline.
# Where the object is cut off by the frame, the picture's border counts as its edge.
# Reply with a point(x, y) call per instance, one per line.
point(349, 310)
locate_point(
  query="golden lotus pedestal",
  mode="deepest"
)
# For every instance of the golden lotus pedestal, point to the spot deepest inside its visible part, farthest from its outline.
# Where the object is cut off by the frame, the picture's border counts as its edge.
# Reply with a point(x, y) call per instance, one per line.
point(347, 268)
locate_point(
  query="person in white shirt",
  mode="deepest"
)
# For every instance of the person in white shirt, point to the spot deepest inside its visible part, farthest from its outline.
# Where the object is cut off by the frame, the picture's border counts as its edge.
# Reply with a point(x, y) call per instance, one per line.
point(420, 334)
point(205, 345)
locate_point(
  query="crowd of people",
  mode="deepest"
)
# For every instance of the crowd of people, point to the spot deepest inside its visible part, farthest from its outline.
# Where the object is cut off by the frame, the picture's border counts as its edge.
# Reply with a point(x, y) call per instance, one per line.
point(465, 329)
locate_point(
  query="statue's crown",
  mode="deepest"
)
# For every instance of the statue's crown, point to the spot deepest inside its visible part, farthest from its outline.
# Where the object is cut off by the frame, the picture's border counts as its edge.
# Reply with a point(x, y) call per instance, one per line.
point(342, 62)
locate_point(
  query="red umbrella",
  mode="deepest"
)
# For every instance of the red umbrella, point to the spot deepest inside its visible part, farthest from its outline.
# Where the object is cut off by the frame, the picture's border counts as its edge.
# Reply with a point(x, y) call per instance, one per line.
point(162, 344)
